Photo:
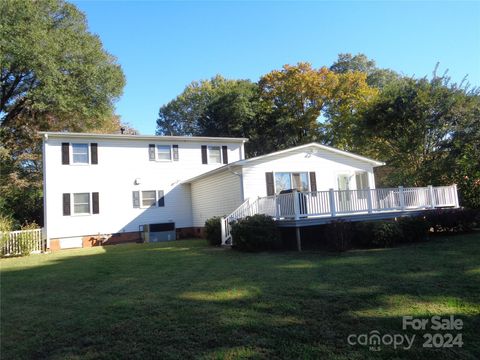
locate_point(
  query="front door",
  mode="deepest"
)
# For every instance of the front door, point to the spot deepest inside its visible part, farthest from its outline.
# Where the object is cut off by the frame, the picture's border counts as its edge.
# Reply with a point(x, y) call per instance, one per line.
point(344, 194)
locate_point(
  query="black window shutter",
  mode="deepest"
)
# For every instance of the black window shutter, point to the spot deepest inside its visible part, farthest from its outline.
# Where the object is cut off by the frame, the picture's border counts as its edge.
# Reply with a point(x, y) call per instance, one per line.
point(313, 181)
point(136, 199)
point(151, 152)
point(161, 198)
point(65, 153)
point(175, 152)
point(94, 153)
point(204, 154)
point(269, 180)
point(225, 154)
point(95, 204)
point(66, 204)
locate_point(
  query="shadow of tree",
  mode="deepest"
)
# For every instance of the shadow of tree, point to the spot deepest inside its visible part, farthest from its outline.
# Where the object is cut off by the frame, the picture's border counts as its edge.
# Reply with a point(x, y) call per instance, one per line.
point(183, 300)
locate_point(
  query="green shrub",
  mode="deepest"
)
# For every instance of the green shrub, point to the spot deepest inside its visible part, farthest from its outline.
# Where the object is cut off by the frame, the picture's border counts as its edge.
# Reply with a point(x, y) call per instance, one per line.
point(27, 240)
point(213, 231)
point(414, 229)
point(6, 225)
point(377, 234)
point(452, 220)
point(339, 235)
point(255, 233)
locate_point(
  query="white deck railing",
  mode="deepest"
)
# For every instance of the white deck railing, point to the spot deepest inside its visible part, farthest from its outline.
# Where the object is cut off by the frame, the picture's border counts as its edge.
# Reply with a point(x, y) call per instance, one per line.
point(333, 203)
point(22, 241)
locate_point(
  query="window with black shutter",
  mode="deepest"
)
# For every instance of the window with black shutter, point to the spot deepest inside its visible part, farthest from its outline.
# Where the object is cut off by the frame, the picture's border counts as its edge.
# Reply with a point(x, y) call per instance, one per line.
point(225, 154)
point(204, 154)
point(270, 184)
point(151, 152)
point(65, 153)
point(136, 199)
point(66, 204)
point(94, 153)
point(95, 203)
point(175, 152)
point(161, 198)
point(313, 181)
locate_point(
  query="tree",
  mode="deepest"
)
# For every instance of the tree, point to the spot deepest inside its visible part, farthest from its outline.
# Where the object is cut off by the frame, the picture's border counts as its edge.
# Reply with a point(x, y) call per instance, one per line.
point(376, 77)
point(54, 76)
point(295, 96)
point(215, 107)
point(427, 132)
point(51, 64)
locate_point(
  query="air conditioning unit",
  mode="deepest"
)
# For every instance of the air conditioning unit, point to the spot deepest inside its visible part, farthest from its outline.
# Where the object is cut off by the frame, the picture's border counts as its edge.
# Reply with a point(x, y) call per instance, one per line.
point(158, 232)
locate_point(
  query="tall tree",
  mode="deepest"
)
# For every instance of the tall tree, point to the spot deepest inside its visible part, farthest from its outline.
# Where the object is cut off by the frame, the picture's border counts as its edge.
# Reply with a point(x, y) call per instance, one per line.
point(376, 77)
point(215, 107)
point(55, 76)
point(427, 132)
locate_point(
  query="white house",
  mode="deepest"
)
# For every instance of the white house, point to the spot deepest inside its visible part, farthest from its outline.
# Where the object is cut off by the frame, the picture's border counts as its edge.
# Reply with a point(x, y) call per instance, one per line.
point(117, 188)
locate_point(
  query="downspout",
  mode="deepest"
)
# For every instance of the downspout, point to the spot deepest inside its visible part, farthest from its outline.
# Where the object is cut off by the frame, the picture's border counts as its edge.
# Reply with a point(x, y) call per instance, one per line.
point(44, 167)
point(240, 175)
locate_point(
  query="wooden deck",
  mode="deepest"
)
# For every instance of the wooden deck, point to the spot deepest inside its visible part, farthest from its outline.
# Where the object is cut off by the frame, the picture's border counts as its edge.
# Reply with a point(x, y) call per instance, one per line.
point(302, 209)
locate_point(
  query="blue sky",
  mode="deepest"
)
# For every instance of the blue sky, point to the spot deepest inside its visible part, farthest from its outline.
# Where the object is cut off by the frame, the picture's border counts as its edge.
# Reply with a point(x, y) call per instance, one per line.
point(163, 46)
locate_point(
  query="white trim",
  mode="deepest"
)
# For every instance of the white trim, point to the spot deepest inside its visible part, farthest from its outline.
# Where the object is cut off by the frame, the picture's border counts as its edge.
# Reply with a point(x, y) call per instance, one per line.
point(220, 151)
point(153, 138)
point(291, 179)
point(163, 145)
point(313, 145)
point(72, 204)
point(88, 154)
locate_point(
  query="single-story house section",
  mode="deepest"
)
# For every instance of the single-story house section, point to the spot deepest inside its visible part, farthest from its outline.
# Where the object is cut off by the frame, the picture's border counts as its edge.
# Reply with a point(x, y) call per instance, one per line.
point(311, 167)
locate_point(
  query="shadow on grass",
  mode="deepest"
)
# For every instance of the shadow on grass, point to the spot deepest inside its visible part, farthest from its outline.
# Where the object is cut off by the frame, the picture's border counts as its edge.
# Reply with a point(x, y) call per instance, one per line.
point(184, 300)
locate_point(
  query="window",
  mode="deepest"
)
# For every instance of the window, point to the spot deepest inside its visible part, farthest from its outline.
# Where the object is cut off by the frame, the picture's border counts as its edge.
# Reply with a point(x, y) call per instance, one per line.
point(149, 198)
point(214, 155)
point(164, 153)
point(286, 181)
point(361, 180)
point(81, 203)
point(80, 153)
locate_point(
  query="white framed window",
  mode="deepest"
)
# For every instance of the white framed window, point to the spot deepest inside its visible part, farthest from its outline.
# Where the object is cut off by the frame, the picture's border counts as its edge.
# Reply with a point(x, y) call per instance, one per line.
point(214, 155)
point(81, 204)
point(80, 154)
point(164, 153)
point(149, 198)
point(291, 180)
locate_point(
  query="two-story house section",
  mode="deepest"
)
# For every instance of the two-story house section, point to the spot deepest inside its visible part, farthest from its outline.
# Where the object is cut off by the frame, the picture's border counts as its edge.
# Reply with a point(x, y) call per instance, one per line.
point(114, 185)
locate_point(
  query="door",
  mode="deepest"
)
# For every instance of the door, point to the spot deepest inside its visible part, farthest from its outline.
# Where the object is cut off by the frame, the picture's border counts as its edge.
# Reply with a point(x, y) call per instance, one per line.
point(344, 193)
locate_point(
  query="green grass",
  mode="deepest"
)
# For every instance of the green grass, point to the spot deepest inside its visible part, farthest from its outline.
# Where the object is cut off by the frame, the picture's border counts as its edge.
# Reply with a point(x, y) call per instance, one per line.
point(183, 300)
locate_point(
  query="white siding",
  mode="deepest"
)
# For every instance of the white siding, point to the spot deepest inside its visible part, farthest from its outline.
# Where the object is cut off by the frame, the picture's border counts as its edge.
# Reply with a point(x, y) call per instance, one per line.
point(327, 166)
point(120, 162)
point(215, 195)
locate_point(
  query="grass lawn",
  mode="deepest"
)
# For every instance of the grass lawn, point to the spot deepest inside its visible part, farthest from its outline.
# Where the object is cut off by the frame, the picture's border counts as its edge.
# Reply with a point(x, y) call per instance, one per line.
point(182, 300)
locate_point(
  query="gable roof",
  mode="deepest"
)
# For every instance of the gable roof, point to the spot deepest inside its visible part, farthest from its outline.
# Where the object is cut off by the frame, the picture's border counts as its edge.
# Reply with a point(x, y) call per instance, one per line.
point(286, 152)
point(312, 145)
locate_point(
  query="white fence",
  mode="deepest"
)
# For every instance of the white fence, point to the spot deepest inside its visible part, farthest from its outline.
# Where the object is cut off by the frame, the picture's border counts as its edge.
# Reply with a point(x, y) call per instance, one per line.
point(22, 242)
point(300, 205)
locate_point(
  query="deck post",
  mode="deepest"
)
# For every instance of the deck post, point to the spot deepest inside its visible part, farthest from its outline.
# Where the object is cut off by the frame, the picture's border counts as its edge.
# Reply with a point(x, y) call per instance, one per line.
point(331, 200)
point(432, 196)
point(369, 200)
point(224, 235)
point(401, 197)
point(455, 195)
point(277, 207)
point(296, 205)
point(299, 239)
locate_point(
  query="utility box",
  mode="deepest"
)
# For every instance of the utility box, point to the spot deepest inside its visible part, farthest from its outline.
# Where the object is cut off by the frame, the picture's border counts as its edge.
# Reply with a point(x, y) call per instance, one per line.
point(158, 232)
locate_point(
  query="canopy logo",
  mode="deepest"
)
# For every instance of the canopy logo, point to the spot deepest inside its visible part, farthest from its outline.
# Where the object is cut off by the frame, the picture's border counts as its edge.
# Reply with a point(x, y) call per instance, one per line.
point(374, 340)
